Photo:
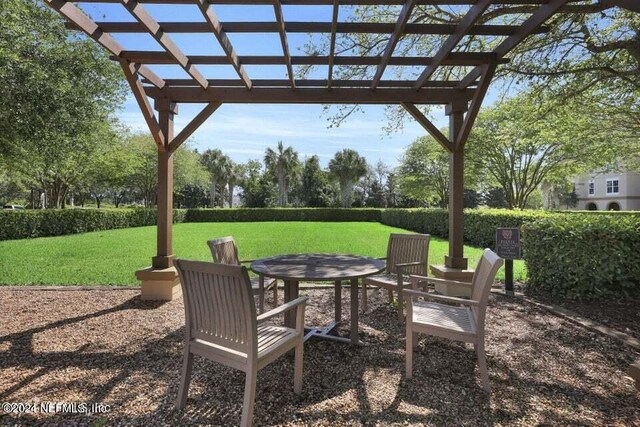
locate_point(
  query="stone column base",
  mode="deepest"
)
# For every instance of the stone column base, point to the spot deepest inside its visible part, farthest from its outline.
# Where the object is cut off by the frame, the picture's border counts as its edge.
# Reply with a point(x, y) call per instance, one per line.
point(448, 273)
point(159, 284)
point(634, 371)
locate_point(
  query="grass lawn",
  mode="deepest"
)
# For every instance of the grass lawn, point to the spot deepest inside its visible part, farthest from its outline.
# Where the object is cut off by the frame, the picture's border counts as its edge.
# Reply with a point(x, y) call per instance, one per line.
point(112, 257)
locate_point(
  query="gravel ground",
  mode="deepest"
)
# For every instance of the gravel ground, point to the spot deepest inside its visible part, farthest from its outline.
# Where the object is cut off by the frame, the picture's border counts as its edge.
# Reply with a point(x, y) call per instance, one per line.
point(108, 346)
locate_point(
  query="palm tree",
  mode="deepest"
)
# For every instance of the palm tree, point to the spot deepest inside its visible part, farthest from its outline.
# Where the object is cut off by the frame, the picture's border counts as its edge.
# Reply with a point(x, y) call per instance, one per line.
point(284, 165)
point(347, 166)
point(218, 165)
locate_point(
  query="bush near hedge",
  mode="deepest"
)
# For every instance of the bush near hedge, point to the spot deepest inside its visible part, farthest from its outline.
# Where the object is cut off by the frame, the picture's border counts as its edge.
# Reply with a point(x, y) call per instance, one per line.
point(58, 222)
point(283, 214)
point(583, 256)
point(479, 224)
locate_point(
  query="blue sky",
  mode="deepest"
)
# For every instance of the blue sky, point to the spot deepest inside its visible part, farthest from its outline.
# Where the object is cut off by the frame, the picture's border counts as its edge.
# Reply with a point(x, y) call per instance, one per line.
point(245, 131)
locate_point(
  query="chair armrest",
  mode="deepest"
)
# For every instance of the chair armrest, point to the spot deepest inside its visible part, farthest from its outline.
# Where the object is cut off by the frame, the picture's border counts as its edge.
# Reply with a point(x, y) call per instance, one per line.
point(382, 258)
point(247, 261)
point(435, 280)
point(443, 298)
point(282, 308)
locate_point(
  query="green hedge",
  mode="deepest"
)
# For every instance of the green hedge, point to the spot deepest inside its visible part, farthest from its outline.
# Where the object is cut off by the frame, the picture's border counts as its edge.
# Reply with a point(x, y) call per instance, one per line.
point(283, 214)
point(583, 256)
point(479, 224)
point(50, 222)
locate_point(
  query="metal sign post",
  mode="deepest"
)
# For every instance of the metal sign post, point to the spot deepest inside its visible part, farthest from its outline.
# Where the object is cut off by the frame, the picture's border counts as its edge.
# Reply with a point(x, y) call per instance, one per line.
point(508, 247)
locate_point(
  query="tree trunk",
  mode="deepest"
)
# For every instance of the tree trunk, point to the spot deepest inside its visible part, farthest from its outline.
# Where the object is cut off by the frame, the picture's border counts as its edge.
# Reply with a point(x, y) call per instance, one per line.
point(212, 193)
point(282, 196)
point(231, 188)
point(347, 191)
point(98, 199)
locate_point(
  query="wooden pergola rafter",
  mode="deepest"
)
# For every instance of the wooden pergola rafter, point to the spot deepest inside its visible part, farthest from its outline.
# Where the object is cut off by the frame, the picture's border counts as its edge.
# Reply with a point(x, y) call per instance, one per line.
point(462, 97)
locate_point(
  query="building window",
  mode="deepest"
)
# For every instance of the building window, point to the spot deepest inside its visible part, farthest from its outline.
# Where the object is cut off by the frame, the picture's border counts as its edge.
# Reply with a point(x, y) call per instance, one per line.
point(592, 188)
point(612, 186)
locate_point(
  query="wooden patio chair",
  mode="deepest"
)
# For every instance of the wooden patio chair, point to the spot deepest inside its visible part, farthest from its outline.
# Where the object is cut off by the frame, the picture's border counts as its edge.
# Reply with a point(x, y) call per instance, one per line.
point(459, 319)
point(225, 251)
point(222, 325)
point(406, 254)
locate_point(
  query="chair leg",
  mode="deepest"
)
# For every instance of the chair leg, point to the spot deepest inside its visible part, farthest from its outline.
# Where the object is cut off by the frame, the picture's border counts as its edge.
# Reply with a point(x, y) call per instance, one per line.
point(275, 294)
point(409, 351)
point(297, 370)
point(183, 391)
point(364, 297)
point(249, 398)
point(261, 295)
point(482, 366)
point(390, 293)
point(400, 305)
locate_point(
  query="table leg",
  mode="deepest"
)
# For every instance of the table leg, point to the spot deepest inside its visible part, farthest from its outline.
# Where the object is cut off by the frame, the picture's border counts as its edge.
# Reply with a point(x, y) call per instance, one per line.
point(354, 311)
point(338, 300)
point(291, 291)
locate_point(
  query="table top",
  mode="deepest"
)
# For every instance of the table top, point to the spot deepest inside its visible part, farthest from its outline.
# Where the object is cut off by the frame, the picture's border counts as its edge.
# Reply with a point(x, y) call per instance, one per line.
point(319, 267)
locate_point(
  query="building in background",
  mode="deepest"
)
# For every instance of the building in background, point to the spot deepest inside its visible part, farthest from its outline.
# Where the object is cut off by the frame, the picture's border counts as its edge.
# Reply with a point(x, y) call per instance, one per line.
point(608, 191)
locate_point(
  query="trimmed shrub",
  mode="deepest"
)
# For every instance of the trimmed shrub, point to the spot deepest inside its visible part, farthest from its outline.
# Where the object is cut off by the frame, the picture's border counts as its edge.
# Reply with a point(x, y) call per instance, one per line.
point(283, 214)
point(426, 221)
point(479, 224)
point(583, 256)
point(50, 222)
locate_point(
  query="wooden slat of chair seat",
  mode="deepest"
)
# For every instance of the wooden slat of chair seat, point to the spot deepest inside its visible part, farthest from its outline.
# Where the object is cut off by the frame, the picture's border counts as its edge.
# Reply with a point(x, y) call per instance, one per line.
point(406, 254)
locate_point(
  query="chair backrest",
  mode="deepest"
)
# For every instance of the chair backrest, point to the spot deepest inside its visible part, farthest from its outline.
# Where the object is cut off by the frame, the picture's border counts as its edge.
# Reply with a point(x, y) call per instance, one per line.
point(224, 250)
point(483, 279)
point(403, 248)
point(218, 304)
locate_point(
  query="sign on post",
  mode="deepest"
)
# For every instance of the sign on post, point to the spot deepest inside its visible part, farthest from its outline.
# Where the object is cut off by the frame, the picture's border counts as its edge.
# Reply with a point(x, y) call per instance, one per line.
point(508, 247)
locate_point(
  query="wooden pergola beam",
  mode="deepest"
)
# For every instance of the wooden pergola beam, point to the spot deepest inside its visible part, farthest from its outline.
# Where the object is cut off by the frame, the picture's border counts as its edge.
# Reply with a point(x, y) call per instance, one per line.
point(193, 125)
point(428, 125)
point(454, 59)
point(632, 5)
point(398, 32)
point(343, 2)
point(311, 95)
point(85, 24)
point(215, 27)
point(332, 41)
point(139, 94)
point(280, 83)
point(527, 28)
point(277, 9)
point(474, 108)
point(462, 29)
point(311, 27)
point(143, 17)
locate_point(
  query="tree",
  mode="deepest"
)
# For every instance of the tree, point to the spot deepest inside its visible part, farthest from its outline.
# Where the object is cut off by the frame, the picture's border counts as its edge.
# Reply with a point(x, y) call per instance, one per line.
point(284, 166)
point(520, 142)
point(218, 165)
point(258, 190)
point(316, 191)
point(58, 93)
point(423, 173)
point(347, 167)
point(495, 198)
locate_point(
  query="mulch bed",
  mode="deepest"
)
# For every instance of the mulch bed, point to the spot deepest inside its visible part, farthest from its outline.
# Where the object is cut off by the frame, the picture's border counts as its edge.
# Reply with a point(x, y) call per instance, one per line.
point(622, 315)
point(109, 346)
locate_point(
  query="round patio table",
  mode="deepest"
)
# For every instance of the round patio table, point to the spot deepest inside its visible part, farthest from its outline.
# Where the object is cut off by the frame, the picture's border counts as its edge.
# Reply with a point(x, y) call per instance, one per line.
point(296, 268)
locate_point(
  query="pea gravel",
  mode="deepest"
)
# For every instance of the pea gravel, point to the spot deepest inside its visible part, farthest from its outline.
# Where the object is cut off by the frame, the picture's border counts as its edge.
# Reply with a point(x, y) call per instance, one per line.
point(110, 347)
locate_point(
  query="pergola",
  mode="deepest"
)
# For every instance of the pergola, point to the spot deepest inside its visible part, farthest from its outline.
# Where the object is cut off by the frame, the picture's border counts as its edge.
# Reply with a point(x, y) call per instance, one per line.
point(462, 98)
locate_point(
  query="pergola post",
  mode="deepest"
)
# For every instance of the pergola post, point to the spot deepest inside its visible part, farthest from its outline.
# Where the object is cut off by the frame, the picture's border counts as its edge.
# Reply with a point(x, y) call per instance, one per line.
point(456, 258)
point(455, 264)
point(161, 281)
point(164, 257)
